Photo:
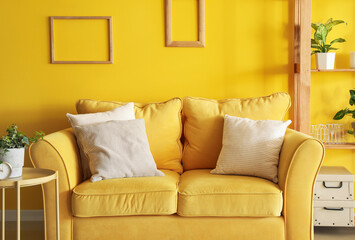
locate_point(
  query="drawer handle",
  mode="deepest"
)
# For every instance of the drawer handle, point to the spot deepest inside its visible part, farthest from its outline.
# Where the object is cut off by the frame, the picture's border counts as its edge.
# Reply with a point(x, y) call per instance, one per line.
point(340, 185)
point(334, 209)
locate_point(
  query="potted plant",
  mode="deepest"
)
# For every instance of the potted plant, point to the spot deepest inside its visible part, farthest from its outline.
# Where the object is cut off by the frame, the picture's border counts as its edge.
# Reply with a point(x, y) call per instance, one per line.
point(346, 111)
point(324, 58)
point(12, 148)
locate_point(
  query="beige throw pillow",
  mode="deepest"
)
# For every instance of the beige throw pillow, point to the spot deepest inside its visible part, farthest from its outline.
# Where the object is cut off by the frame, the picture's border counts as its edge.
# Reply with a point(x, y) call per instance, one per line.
point(117, 149)
point(251, 147)
point(125, 112)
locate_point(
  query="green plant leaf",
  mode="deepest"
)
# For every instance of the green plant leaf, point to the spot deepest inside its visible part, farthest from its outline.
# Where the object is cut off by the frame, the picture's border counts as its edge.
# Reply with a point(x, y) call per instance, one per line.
point(318, 37)
point(16, 139)
point(313, 41)
point(316, 46)
point(321, 34)
point(315, 51)
point(319, 41)
point(339, 40)
point(340, 114)
point(351, 132)
point(329, 21)
point(352, 97)
point(318, 32)
point(315, 25)
point(330, 25)
point(331, 48)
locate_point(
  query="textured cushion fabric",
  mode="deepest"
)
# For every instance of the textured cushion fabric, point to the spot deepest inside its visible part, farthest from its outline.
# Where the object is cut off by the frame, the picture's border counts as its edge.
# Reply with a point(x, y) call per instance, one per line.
point(125, 112)
point(174, 227)
point(117, 149)
point(163, 125)
point(127, 196)
point(203, 127)
point(251, 147)
point(204, 194)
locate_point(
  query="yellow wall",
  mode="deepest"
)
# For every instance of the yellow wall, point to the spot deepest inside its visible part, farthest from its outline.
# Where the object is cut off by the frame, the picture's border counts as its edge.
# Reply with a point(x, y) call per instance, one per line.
point(246, 54)
point(330, 91)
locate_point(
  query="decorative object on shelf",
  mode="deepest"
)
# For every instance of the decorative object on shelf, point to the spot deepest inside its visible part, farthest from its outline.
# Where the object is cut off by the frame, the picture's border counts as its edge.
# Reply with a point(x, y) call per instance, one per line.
point(12, 148)
point(346, 111)
point(109, 22)
point(324, 59)
point(169, 27)
point(5, 170)
point(352, 60)
point(329, 133)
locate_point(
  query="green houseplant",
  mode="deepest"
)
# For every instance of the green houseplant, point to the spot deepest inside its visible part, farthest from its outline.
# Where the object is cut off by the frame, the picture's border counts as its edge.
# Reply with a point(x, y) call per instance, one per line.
point(12, 148)
point(325, 59)
point(346, 111)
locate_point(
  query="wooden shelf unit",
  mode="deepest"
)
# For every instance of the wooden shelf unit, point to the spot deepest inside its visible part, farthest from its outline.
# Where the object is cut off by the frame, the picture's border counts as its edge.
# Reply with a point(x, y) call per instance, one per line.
point(302, 65)
point(340, 146)
point(302, 71)
point(334, 70)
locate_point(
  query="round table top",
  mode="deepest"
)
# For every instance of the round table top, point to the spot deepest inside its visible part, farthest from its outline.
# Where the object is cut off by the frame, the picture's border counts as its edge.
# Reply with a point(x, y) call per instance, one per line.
point(30, 177)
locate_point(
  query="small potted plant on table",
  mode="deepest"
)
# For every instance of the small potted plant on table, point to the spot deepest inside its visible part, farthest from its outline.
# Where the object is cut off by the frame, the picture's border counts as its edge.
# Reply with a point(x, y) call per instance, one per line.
point(324, 58)
point(346, 111)
point(12, 148)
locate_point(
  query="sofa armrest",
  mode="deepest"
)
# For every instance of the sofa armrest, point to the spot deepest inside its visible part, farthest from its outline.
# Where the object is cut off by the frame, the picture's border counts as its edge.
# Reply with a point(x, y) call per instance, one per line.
point(58, 151)
point(300, 160)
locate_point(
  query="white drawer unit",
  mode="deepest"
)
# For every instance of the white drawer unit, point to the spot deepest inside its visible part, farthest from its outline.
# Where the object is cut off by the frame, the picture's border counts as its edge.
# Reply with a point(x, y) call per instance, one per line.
point(334, 198)
point(334, 213)
point(334, 183)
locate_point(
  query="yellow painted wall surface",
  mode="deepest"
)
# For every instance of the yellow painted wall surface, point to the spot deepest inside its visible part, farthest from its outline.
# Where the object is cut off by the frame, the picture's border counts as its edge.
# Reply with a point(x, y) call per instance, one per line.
point(246, 55)
point(330, 91)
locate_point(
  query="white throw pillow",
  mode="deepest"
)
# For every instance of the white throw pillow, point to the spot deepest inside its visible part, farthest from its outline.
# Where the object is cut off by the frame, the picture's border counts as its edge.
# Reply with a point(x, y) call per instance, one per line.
point(117, 149)
point(251, 147)
point(125, 112)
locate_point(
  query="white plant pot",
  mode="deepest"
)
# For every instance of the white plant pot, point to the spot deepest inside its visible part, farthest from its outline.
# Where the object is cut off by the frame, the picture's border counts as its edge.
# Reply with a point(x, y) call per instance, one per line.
point(16, 158)
point(325, 60)
point(352, 59)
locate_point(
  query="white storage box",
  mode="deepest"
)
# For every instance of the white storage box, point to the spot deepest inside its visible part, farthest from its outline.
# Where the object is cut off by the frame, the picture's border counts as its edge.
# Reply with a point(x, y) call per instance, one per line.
point(334, 213)
point(334, 183)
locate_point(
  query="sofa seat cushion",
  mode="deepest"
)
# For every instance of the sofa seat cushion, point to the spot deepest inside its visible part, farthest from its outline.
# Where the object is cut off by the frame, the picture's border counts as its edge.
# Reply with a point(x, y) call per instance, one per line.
point(127, 196)
point(204, 194)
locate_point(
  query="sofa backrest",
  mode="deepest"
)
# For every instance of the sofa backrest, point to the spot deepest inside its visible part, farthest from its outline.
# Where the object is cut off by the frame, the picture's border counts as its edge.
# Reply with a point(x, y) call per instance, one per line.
point(203, 125)
point(163, 125)
point(204, 118)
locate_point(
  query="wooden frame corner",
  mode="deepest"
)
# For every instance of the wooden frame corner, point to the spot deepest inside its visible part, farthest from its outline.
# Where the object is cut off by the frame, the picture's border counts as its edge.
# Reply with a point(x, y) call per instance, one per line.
point(169, 42)
point(52, 50)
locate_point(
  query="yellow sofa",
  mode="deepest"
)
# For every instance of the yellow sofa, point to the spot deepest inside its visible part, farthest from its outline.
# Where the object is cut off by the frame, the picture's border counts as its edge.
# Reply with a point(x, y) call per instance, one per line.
point(188, 202)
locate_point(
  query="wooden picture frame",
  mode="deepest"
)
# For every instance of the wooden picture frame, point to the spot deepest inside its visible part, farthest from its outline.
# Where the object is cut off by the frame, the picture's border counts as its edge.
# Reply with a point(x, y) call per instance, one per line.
point(108, 18)
point(169, 27)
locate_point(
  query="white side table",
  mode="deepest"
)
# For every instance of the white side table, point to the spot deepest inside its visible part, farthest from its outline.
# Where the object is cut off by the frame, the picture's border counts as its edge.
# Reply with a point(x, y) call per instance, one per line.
point(30, 177)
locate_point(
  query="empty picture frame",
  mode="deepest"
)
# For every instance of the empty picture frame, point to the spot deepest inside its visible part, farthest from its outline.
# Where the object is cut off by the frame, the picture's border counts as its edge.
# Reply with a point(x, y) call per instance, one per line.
point(169, 27)
point(53, 44)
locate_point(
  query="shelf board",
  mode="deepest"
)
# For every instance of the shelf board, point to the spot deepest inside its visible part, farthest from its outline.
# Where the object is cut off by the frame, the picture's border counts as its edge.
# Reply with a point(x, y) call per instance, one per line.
point(340, 146)
point(334, 70)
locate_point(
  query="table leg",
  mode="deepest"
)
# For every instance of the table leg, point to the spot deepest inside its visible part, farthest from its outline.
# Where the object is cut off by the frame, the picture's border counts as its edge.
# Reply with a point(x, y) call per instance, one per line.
point(3, 214)
point(57, 204)
point(18, 210)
